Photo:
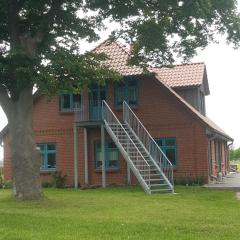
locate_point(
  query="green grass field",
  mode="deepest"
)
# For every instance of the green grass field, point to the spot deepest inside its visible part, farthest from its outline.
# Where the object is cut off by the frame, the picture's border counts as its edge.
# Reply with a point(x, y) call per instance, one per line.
point(121, 213)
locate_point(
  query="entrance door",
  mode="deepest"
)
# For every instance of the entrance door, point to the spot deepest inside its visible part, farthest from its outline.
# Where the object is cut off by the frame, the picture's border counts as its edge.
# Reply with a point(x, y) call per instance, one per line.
point(95, 102)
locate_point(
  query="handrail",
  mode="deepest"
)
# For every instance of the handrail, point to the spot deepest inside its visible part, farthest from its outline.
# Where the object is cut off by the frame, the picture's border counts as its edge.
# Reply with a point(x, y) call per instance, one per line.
point(146, 130)
point(148, 142)
point(105, 105)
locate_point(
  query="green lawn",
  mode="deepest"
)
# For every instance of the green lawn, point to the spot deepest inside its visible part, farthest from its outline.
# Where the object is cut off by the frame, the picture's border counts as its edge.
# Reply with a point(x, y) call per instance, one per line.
point(121, 213)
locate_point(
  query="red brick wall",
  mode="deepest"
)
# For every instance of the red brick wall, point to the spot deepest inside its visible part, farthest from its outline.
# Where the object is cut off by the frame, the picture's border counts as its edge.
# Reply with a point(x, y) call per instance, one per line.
point(160, 112)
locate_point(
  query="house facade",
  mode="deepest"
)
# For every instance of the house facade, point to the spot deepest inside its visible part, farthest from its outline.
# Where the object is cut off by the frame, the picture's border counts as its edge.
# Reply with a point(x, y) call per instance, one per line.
point(146, 128)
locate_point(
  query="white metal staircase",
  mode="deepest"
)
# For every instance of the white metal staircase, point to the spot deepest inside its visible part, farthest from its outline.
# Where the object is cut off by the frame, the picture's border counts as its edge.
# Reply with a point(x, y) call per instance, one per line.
point(147, 161)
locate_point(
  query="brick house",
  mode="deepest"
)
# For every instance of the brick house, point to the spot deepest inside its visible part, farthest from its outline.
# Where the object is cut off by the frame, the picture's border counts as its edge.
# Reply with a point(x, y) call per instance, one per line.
point(148, 128)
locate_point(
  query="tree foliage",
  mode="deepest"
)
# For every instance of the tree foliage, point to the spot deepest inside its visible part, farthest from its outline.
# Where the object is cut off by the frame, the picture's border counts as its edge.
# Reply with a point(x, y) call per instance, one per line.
point(235, 154)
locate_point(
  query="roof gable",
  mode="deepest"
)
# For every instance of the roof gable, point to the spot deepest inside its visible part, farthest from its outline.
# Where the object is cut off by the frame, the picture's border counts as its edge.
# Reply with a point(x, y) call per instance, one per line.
point(185, 75)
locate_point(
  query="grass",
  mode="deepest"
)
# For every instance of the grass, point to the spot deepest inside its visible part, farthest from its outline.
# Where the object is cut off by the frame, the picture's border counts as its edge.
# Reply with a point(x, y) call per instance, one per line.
point(121, 213)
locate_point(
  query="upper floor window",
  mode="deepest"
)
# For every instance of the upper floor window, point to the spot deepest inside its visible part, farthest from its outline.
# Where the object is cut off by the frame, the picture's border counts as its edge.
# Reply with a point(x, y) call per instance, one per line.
point(48, 155)
point(69, 101)
point(111, 155)
point(169, 147)
point(126, 91)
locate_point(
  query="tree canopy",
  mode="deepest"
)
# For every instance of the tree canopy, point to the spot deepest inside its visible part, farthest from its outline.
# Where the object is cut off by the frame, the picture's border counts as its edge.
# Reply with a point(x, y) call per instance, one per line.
point(235, 154)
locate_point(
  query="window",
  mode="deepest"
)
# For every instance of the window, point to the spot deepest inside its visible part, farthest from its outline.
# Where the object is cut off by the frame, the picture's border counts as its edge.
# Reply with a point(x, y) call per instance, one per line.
point(169, 147)
point(69, 101)
point(126, 91)
point(48, 155)
point(111, 155)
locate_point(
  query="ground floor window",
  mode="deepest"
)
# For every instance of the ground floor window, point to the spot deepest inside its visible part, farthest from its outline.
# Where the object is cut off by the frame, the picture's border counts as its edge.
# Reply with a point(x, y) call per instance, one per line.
point(48, 155)
point(111, 155)
point(169, 147)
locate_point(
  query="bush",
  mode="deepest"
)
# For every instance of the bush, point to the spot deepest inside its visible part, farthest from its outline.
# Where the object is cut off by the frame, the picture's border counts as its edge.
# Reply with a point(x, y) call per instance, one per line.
point(7, 185)
point(190, 180)
point(59, 180)
point(1, 179)
point(47, 184)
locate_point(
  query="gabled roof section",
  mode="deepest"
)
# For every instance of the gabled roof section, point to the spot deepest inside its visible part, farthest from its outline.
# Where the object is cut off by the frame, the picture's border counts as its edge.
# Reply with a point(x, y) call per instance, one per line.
point(180, 76)
point(118, 57)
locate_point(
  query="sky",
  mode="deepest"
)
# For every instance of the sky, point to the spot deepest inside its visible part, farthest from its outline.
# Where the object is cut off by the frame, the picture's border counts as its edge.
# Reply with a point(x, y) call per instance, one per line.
point(223, 69)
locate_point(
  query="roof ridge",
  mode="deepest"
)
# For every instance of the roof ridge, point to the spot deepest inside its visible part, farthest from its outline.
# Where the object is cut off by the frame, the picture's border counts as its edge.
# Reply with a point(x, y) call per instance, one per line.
point(120, 45)
point(100, 44)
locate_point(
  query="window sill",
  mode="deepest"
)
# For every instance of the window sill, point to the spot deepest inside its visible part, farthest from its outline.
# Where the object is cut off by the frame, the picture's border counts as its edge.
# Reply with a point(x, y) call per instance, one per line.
point(108, 170)
point(66, 111)
point(47, 171)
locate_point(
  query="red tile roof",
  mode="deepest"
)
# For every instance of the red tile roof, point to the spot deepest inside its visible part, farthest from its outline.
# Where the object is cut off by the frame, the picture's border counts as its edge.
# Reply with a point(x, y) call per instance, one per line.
point(117, 58)
point(182, 75)
point(177, 76)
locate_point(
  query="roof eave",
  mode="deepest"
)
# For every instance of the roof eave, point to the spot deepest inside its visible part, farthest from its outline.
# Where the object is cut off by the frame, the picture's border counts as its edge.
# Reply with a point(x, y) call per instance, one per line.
point(217, 134)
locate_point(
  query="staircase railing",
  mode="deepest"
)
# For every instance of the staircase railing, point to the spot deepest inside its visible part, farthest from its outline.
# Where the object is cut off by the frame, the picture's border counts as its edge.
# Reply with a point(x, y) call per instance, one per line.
point(148, 142)
point(127, 143)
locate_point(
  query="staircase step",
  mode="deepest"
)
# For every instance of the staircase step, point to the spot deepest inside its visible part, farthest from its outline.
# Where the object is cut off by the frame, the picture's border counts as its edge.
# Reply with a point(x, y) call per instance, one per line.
point(156, 179)
point(161, 190)
point(158, 185)
point(153, 175)
point(139, 166)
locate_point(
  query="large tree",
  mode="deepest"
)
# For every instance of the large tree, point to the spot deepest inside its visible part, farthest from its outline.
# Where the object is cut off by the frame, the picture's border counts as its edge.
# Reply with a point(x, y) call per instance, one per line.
point(39, 48)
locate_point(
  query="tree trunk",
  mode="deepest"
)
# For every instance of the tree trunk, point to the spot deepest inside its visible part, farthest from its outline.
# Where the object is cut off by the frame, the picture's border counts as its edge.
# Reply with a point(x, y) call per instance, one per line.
point(24, 155)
